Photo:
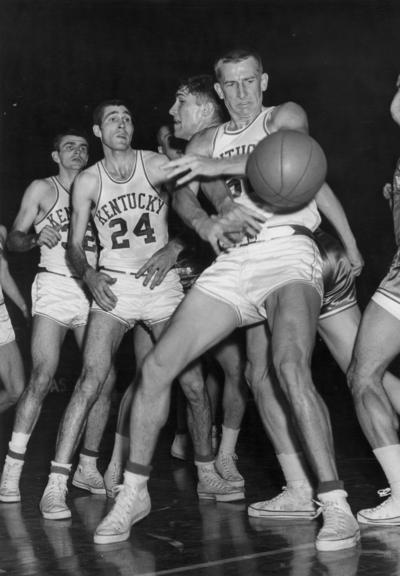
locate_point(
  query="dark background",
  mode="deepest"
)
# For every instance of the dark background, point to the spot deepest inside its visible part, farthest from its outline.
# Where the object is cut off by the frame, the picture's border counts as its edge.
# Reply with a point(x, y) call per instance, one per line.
point(339, 60)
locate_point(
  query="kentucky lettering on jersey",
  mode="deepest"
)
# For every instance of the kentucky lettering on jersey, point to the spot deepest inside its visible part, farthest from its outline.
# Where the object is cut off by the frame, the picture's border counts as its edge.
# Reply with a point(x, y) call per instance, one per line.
point(130, 217)
point(55, 259)
point(132, 201)
point(228, 143)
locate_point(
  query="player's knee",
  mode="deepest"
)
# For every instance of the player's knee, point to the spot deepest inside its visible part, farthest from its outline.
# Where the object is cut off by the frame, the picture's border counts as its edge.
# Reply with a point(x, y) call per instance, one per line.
point(154, 373)
point(192, 385)
point(40, 381)
point(361, 377)
point(90, 382)
point(294, 373)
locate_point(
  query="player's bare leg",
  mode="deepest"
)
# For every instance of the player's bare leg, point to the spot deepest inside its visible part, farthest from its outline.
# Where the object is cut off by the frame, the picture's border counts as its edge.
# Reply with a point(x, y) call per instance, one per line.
point(377, 344)
point(87, 475)
point(339, 332)
point(12, 375)
point(178, 346)
point(47, 338)
point(292, 313)
point(143, 342)
point(296, 500)
point(230, 357)
point(104, 334)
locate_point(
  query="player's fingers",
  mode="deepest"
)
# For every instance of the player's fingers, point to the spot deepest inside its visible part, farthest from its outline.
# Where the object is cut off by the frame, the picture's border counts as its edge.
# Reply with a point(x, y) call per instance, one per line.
point(109, 279)
point(143, 270)
point(148, 277)
point(158, 278)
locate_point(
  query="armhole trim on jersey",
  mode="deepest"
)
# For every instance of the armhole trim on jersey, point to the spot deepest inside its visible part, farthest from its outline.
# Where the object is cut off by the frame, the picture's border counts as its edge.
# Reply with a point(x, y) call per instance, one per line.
point(153, 186)
point(99, 166)
point(267, 116)
point(54, 182)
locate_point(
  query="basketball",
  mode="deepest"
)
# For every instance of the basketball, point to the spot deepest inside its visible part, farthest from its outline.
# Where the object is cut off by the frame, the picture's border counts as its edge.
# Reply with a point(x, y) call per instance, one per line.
point(286, 170)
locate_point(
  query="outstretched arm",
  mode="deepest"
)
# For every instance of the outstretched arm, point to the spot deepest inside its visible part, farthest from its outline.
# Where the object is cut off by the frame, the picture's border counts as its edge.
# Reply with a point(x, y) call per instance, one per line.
point(331, 208)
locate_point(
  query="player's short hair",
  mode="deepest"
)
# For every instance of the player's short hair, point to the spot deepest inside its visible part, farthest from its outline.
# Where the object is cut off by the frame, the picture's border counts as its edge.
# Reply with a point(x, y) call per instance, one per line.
point(236, 55)
point(202, 86)
point(99, 110)
point(68, 132)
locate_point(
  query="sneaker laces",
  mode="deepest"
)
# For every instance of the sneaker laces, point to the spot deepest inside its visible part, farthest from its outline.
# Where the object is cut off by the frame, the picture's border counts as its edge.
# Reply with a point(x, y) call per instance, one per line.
point(214, 480)
point(228, 463)
point(114, 476)
point(91, 473)
point(56, 489)
point(383, 493)
point(11, 472)
point(333, 521)
point(121, 512)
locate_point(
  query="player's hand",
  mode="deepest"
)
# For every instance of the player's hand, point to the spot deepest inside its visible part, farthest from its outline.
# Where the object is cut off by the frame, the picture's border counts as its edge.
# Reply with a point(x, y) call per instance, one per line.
point(49, 236)
point(157, 267)
point(356, 259)
point(99, 285)
point(250, 220)
point(220, 233)
point(191, 166)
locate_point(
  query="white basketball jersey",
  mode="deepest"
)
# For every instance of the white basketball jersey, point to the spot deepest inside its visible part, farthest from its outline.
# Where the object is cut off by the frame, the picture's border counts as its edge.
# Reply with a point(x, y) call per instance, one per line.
point(130, 217)
point(55, 259)
point(229, 143)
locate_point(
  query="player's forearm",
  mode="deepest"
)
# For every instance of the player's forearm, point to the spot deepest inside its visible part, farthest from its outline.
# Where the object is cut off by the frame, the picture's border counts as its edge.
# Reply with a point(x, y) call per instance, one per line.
point(186, 204)
point(395, 107)
point(21, 241)
point(78, 260)
point(218, 194)
point(233, 166)
point(333, 210)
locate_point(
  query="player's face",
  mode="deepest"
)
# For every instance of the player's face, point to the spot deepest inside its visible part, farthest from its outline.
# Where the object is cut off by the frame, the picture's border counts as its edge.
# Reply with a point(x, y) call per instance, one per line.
point(116, 128)
point(73, 152)
point(187, 114)
point(241, 86)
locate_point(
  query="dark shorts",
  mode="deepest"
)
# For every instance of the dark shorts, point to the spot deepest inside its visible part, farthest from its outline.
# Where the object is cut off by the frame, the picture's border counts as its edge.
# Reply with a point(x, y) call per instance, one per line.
point(338, 278)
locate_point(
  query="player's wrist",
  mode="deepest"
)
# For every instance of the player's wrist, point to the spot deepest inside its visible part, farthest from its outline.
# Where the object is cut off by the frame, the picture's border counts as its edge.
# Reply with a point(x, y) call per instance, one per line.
point(88, 274)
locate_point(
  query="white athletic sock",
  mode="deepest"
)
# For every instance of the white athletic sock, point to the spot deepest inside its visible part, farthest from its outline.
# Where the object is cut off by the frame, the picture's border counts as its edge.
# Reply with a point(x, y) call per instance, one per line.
point(294, 469)
point(19, 442)
point(133, 479)
point(87, 461)
point(339, 497)
point(203, 468)
point(389, 459)
point(228, 440)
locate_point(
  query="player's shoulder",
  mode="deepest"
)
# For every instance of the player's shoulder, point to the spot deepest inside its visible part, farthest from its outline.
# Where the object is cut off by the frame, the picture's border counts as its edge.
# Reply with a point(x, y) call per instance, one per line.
point(202, 141)
point(88, 177)
point(153, 158)
point(38, 189)
point(3, 235)
point(289, 115)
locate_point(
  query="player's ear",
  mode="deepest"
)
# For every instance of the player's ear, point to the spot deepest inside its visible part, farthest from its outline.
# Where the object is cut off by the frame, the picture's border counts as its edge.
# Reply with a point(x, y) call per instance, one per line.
point(207, 109)
point(264, 81)
point(218, 89)
point(96, 130)
point(56, 157)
